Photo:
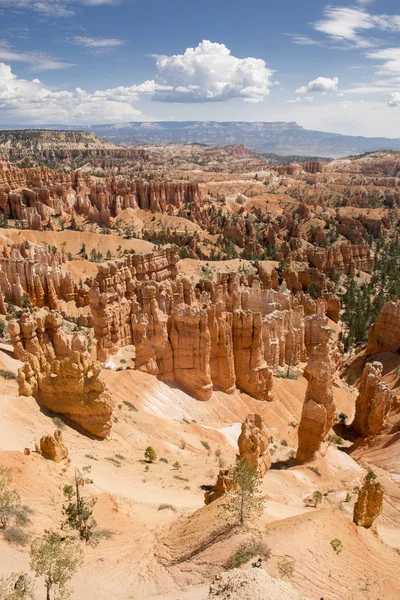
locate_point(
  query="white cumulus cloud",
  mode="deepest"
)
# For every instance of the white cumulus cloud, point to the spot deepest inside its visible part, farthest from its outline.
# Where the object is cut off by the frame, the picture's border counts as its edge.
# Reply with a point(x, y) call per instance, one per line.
point(31, 101)
point(321, 84)
point(210, 73)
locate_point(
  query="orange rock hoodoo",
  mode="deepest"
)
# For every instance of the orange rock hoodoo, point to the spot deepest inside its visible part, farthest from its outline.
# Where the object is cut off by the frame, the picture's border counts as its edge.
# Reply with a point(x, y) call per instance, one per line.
point(369, 504)
point(319, 407)
point(213, 336)
point(253, 444)
point(373, 402)
point(384, 335)
point(33, 195)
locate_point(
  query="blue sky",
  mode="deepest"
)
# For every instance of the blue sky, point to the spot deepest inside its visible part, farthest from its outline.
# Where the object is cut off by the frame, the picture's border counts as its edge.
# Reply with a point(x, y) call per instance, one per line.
point(329, 66)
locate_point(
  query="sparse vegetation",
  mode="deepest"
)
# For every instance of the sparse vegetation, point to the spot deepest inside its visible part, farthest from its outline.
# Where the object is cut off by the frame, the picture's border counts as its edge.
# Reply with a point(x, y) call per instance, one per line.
point(315, 470)
point(167, 507)
point(58, 422)
point(15, 536)
point(205, 445)
point(57, 560)
point(17, 586)
point(130, 406)
point(246, 551)
point(286, 566)
point(317, 498)
point(78, 511)
point(370, 476)
point(7, 374)
point(150, 454)
point(244, 498)
point(176, 466)
point(13, 514)
point(337, 545)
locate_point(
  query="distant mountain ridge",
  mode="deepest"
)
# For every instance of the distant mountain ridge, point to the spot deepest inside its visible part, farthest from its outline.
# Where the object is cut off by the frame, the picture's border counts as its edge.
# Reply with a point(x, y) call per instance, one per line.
point(282, 138)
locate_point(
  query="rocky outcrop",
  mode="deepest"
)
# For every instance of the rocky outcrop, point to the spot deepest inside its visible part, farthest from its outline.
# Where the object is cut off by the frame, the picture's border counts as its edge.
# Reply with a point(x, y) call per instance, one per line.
point(223, 485)
point(32, 274)
point(37, 194)
point(221, 336)
point(251, 584)
point(58, 371)
point(373, 402)
point(319, 407)
point(53, 448)
point(253, 444)
point(42, 333)
point(72, 387)
point(252, 373)
point(369, 504)
point(384, 335)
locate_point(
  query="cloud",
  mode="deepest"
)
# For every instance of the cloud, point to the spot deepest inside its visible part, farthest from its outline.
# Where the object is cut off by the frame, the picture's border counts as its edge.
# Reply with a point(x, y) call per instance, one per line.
point(203, 74)
point(31, 101)
point(97, 43)
point(390, 58)
point(302, 40)
point(53, 8)
point(365, 2)
point(321, 84)
point(347, 23)
point(304, 99)
point(394, 100)
point(209, 73)
point(39, 61)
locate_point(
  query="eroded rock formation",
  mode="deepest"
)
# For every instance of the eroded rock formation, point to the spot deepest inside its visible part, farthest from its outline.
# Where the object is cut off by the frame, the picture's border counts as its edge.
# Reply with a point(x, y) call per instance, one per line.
point(53, 447)
point(42, 333)
point(373, 402)
point(58, 371)
point(72, 387)
point(384, 335)
point(35, 195)
point(32, 273)
point(223, 485)
point(253, 444)
point(319, 407)
point(369, 504)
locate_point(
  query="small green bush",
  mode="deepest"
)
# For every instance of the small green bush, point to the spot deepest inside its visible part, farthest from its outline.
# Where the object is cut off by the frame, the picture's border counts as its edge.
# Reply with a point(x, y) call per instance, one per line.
point(315, 470)
point(59, 423)
point(205, 445)
point(246, 551)
point(176, 466)
point(16, 536)
point(337, 545)
point(150, 454)
point(7, 374)
point(286, 567)
point(167, 507)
